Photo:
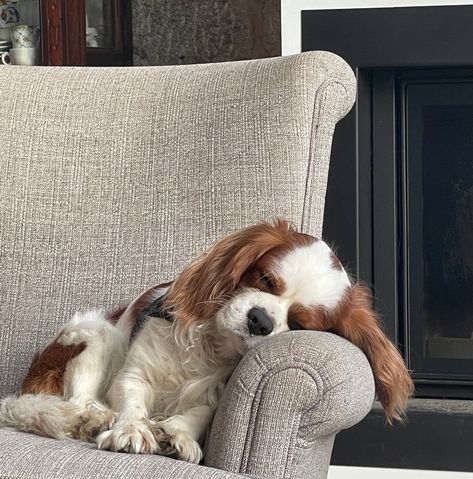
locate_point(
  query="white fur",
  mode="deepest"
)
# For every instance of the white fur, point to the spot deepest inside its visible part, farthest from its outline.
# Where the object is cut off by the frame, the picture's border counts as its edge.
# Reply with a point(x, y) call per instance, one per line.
point(88, 375)
point(160, 380)
point(166, 387)
point(310, 279)
point(43, 415)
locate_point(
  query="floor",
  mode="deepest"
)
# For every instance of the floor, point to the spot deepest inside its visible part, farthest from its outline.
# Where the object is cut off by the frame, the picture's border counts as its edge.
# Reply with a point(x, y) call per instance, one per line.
point(343, 472)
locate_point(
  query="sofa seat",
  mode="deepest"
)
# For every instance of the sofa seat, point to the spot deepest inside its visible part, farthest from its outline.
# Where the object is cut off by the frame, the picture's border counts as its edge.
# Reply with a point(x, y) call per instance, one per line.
point(24, 455)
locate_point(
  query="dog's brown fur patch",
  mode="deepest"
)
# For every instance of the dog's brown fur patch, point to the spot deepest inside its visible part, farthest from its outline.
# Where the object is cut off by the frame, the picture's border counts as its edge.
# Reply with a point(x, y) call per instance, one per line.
point(114, 315)
point(46, 373)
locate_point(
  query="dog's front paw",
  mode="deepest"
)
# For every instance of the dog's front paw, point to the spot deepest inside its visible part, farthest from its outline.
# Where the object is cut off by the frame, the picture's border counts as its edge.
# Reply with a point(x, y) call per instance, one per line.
point(94, 421)
point(133, 437)
point(177, 444)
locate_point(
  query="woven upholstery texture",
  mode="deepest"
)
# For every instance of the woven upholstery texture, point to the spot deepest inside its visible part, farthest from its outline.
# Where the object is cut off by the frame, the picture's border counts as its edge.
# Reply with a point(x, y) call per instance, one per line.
point(25, 456)
point(114, 178)
point(297, 390)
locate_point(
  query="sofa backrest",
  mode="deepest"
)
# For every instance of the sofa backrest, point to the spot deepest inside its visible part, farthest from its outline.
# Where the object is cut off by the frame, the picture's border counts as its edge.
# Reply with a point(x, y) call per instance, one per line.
point(112, 179)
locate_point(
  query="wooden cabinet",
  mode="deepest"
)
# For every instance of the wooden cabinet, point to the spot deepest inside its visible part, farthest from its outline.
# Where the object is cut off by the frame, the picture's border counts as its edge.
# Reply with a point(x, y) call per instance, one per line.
point(86, 32)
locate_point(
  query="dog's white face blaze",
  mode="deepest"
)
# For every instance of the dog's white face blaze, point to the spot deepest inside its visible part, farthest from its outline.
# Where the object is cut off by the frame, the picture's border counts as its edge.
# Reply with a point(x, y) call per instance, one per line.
point(311, 276)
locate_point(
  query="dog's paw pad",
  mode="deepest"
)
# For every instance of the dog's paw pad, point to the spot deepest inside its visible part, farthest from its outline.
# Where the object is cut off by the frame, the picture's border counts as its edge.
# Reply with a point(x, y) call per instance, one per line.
point(178, 445)
point(93, 422)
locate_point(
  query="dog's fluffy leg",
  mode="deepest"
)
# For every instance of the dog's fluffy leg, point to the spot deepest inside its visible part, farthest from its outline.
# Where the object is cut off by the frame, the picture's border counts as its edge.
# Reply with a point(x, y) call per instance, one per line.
point(40, 414)
point(88, 375)
point(134, 390)
point(51, 416)
point(179, 435)
point(132, 396)
point(79, 414)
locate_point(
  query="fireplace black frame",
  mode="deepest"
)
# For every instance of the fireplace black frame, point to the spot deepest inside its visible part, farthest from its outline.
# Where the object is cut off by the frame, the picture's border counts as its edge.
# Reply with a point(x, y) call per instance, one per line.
point(377, 42)
point(434, 376)
point(390, 218)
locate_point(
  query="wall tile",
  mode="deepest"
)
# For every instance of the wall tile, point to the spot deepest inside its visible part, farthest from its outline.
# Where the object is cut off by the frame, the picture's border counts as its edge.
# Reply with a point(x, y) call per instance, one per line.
point(169, 32)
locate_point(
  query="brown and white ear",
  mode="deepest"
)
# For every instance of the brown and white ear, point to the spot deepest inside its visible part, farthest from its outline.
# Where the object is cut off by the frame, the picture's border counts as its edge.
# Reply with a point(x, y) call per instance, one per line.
point(360, 325)
point(211, 279)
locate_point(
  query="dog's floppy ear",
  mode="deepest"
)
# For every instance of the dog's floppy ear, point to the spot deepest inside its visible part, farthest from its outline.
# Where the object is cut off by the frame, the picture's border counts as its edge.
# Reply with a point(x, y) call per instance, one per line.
point(210, 280)
point(358, 323)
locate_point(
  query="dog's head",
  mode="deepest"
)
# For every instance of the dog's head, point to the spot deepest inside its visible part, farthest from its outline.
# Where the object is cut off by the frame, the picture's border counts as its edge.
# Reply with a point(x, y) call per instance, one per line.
point(268, 279)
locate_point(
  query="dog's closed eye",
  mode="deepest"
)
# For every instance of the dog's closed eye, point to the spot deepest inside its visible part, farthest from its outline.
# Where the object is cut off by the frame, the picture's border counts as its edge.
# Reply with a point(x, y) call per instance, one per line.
point(267, 283)
point(294, 325)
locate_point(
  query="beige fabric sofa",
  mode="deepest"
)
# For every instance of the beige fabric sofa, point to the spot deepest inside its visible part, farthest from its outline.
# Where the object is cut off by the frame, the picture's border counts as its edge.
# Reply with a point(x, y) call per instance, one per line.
point(112, 179)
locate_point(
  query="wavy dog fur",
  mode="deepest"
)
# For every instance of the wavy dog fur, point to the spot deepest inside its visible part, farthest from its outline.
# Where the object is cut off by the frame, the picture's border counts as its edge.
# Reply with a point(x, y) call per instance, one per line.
point(147, 378)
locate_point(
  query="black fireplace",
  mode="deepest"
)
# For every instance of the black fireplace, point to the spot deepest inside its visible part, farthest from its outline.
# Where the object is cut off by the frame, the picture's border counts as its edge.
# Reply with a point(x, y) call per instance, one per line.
point(436, 214)
point(430, 140)
point(400, 207)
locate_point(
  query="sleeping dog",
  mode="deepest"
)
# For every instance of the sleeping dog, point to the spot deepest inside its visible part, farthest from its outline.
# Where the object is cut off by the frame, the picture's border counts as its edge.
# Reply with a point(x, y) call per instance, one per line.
point(147, 378)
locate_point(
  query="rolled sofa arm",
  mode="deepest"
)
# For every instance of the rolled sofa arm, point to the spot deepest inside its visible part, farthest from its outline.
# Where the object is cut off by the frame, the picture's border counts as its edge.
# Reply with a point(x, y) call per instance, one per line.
point(285, 403)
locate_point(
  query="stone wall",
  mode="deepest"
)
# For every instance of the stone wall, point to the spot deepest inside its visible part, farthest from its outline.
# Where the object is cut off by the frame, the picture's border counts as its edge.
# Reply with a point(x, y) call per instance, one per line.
point(169, 32)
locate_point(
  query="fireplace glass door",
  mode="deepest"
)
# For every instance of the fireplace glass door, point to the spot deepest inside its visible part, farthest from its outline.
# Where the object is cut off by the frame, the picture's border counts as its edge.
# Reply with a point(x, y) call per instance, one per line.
point(436, 141)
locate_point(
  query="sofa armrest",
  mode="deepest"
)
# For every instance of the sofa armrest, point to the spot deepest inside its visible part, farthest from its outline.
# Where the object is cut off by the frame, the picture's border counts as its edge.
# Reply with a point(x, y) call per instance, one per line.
point(284, 404)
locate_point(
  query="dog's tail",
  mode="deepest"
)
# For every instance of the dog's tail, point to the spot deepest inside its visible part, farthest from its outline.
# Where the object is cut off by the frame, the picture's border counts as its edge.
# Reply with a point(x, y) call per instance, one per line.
point(41, 414)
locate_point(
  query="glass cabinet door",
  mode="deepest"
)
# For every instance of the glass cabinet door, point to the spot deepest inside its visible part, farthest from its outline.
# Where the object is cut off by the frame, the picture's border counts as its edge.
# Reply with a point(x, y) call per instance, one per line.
point(100, 19)
point(108, 32)
point(66, 32)
point(85, 32)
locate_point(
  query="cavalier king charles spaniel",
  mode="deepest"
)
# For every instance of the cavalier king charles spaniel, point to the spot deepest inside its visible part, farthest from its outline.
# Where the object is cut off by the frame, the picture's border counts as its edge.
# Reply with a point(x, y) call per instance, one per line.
point(147, 378)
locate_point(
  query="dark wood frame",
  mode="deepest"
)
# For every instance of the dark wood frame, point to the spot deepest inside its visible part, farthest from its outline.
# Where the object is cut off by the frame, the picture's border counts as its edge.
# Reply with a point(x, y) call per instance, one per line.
point(63, 33)
point(387, 39)
point(63, 37)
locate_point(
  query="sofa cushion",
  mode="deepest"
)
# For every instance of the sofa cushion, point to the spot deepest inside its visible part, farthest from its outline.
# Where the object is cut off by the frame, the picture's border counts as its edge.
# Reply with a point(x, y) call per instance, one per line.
point(25, 455)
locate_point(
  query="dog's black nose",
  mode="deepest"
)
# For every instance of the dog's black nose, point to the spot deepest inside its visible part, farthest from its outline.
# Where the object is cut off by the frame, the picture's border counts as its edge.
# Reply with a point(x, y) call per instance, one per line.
point(259, 322)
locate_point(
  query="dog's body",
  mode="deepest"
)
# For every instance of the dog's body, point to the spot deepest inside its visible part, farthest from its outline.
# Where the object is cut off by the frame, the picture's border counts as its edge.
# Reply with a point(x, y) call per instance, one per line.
point(147, 378)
